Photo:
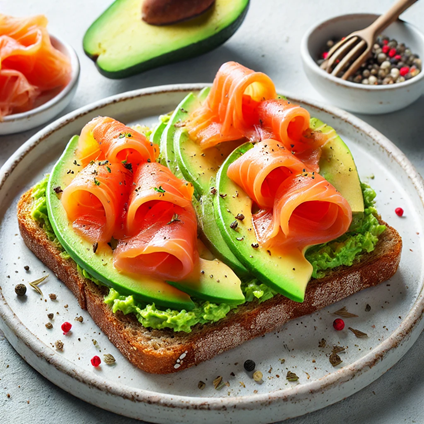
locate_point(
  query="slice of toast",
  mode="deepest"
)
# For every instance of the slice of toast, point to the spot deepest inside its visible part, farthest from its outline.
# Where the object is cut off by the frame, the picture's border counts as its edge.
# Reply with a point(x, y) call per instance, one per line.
point(165, 351)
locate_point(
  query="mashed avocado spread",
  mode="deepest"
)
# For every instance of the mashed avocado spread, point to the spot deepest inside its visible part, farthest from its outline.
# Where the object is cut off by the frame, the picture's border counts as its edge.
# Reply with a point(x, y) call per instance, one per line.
point(361, 238)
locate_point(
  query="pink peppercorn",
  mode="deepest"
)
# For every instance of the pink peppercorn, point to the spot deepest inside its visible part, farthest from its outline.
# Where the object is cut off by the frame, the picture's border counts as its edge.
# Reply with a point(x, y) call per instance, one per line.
point(338, 324)
point(404, 70)
point(398, 57)
point(66, 327)
point(324, 55)
point(392, 52)
point(385, 42)
point(399, 211)
point(385, 49)
point(95, 361)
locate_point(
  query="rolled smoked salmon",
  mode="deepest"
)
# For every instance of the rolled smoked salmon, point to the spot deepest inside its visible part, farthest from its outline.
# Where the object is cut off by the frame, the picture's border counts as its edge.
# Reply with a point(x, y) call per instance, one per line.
point(307, 210)
point(105, 138)
point(227, 113)
point(25, 48)
point(289, 123)
point(162, 224)
point(261, 170)
point(96, 199)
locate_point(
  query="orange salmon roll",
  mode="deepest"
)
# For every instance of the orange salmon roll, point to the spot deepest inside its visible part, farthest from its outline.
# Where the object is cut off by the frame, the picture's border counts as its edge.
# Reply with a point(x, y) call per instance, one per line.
point(96, 199)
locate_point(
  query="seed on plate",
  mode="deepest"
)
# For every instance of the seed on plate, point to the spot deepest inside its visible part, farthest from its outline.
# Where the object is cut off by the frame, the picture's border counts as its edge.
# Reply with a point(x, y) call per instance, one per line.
point(66, 327)
point(249, 365)
point(399, 211)
point(59, 345)
point(109, 359)
point(20, 289)
point(49, 325)
point(338, 324)
point(95, 361)
point(257, 376)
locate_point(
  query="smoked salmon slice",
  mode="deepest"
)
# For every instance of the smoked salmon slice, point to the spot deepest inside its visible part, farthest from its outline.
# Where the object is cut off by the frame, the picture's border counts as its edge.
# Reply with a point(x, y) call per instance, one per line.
point(16, 93)
point(289, 123)
point(96, 201)
point(261, 170)
point(155, 184)
point(307, 210)
point(105, 138)
point(162, 225)
point(166, 246)
point(25, 46)
point(227, 113)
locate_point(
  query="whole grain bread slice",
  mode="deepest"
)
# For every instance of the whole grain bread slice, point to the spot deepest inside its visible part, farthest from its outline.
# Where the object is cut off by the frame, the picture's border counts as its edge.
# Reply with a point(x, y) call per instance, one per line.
point(166, 351)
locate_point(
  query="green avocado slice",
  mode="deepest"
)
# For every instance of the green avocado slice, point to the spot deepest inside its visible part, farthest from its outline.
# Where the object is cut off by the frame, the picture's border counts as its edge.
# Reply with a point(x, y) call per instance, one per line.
point(100, 264)
point(338, 167)
point(286, 274)
point(122, 44)
point(217, 283)
point(200, 168)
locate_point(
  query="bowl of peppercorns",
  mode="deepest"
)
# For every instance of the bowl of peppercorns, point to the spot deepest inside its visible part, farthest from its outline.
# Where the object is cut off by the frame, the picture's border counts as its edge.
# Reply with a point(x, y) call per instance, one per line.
point(391, 79)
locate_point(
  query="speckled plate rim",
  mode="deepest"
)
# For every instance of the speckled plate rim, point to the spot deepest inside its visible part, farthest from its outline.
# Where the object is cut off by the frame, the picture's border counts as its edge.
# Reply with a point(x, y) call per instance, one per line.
point(405, 335)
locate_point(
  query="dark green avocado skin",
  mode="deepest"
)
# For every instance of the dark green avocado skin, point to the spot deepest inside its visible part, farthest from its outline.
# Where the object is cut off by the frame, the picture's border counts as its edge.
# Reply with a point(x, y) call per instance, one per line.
point(192, 50)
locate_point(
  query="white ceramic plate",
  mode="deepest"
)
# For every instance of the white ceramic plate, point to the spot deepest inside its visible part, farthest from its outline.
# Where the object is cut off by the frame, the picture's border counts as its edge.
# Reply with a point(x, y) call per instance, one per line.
point(393, 323)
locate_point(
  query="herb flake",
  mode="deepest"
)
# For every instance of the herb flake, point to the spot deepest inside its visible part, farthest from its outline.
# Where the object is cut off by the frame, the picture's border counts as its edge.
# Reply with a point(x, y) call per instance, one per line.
point(344, 313)
point(359, 334)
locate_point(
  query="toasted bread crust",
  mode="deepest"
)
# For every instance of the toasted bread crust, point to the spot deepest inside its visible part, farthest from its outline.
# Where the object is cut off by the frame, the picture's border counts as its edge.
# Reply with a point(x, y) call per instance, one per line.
point(164, 351)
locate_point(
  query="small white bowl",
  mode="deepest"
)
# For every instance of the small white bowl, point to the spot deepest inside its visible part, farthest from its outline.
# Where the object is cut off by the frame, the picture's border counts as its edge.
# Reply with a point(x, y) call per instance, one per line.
point(50, 104)
point(359, 98)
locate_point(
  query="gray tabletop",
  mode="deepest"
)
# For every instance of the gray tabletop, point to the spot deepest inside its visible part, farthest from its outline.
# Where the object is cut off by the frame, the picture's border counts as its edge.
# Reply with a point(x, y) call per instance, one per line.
point(268, 41)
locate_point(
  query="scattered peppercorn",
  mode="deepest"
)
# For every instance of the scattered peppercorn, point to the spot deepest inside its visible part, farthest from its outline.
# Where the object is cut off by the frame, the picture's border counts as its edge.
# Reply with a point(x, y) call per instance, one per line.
point(338, 324)
point(66, 327)
point(249, 365)
point(95, 361)
point(49, 325)
point(51, 315)
point(390, 63)
point(80, 319)
point(234, 225)
point(26, 268)
point(20, 289)
point(52, 296)
point(257, 376)
point(399, 211)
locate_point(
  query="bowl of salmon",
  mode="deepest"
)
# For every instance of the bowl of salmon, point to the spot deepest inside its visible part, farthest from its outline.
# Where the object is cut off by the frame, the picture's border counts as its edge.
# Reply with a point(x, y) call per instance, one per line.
point(38, 76)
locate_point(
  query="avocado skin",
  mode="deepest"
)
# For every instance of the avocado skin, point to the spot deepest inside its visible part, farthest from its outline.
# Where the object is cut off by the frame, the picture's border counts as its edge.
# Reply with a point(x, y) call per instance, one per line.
point(192, 50)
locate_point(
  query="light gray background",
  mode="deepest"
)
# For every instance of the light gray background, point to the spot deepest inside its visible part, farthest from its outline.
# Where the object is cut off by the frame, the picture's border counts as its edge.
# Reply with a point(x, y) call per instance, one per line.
point(268, 41)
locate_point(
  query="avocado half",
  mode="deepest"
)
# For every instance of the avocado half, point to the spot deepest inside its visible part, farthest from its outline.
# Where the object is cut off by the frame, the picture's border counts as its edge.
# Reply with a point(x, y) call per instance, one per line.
point(122, 44)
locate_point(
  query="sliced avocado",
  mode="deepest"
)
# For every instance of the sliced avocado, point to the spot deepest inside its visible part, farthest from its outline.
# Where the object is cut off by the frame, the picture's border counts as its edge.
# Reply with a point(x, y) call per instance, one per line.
point(122, 44)
point(167, 152)
point(338, 167)
point(100, 264)
point(217, 283)
point(191, 161)
point(287, 274)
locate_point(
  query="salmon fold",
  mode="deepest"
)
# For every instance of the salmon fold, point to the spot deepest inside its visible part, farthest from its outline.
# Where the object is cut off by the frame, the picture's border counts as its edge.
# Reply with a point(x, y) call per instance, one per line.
point(307, 210)
point(227, 113)
point(161, 226)
point(96, 201)
point(105, 138)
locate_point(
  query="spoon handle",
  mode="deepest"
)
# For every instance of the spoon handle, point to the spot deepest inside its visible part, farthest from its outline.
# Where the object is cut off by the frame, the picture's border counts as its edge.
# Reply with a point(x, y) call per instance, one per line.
point(390, 16)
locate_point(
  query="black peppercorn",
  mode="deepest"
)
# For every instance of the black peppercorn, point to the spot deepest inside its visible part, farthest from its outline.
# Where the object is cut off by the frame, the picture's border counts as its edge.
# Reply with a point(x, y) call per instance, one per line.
point(249, 365)
point(20, 289)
